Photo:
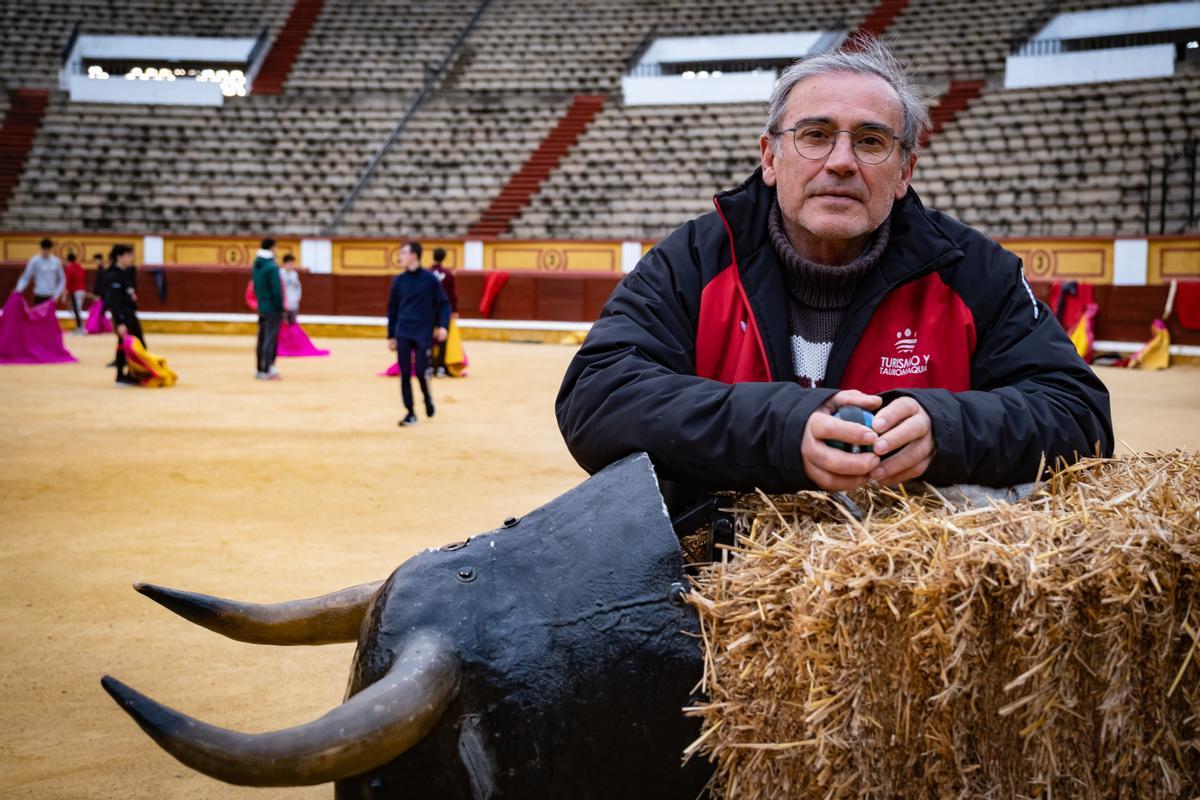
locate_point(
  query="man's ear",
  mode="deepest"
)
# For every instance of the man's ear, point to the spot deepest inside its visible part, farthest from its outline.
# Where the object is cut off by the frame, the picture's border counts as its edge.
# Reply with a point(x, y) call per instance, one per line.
point(766, 148)
point(906, 173)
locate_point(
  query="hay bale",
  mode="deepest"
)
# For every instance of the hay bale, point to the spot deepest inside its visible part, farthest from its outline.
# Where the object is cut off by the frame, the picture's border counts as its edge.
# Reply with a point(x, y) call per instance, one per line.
point(1044, 648)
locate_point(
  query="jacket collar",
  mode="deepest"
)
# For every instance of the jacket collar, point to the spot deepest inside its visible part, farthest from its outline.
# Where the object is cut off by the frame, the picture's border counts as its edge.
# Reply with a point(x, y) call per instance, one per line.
point(265, 254)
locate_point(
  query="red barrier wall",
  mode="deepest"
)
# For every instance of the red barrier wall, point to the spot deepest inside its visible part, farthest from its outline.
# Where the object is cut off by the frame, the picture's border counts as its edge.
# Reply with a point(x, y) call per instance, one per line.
point(1125, 311)
point(568, 297)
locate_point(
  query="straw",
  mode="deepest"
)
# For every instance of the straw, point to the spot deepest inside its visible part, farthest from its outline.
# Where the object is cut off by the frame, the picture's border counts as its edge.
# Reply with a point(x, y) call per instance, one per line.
point(1043, 648)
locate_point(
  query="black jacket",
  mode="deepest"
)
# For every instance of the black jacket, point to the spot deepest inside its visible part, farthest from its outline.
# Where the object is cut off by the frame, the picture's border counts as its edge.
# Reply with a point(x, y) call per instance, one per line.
point(634, 385)
point(120, 293)
point(416, 305)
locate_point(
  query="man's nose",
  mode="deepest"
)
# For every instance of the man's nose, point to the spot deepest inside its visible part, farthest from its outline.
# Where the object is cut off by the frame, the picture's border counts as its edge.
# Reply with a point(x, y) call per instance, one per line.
point(842, 159)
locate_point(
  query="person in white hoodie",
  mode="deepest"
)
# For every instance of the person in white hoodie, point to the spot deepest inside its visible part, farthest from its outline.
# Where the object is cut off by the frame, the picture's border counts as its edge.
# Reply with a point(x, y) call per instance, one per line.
point(46, 271)
point(291, 289)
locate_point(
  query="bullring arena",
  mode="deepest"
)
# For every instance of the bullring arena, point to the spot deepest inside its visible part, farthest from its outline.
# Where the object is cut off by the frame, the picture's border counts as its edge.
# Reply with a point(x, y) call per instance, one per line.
point(545, 147)
point(293, 490)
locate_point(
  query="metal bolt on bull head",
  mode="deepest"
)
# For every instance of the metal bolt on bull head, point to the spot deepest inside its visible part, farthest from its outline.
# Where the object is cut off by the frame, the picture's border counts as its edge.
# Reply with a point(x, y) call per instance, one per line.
point(549, 658)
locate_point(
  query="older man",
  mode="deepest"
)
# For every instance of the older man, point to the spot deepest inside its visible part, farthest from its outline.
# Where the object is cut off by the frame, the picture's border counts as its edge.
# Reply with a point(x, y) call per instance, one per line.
point(821, 282)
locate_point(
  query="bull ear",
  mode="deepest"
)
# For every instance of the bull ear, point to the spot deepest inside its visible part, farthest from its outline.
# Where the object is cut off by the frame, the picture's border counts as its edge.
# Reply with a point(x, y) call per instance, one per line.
point(329, 619)
point(368, 730)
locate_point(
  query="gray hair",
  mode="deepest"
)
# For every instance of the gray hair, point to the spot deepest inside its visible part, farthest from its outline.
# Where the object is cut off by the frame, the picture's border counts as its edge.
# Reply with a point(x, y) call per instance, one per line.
point(863, 56)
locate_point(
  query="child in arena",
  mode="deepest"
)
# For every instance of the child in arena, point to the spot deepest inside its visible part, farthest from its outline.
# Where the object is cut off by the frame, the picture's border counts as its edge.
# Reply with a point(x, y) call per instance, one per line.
point(290, 279)
point(448, 286)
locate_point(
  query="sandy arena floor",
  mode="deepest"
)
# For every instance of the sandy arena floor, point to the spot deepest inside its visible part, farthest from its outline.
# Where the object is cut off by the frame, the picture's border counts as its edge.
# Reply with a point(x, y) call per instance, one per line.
point(262, 491)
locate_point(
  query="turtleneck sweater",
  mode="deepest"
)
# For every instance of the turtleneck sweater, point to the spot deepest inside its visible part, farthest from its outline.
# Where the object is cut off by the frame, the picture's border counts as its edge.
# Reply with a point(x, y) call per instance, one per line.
point(818, 295)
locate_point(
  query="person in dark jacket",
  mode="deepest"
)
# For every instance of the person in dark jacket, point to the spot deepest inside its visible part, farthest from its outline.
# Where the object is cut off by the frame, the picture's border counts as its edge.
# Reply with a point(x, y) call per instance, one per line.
point(268, 291)
point(821, 282)
point(418, 313)
point(449, 286)
point(119, 292)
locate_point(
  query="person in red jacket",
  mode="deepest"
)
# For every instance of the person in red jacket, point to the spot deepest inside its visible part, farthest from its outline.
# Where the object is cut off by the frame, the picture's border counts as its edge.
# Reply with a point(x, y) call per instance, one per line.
point(821, 282)
point(75, 292)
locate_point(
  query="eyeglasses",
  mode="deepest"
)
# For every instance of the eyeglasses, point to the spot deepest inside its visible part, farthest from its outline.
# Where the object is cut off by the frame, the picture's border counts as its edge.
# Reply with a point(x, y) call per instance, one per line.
point(872, 144)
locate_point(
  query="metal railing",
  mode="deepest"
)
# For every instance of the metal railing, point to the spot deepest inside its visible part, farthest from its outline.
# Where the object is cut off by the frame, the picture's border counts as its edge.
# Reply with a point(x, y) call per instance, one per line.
point(706, 68)
point(1045, 47)
point(432, 75)
point(1186, 154)
point(1034, 24)
point(834, 32)
point(262, 38)
point(70, 45)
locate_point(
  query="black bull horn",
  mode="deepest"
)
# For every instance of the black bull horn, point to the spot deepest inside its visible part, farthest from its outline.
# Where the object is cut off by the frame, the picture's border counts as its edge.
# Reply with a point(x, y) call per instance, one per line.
point(549, 658)
point(329, 619)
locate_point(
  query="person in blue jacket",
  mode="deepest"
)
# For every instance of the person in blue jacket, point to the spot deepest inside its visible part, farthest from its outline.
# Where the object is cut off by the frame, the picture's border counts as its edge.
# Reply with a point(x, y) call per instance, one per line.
point(418, 313)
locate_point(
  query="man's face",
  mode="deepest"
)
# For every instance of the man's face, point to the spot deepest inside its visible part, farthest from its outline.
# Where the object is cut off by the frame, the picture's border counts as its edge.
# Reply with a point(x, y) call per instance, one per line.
point(831, 205)
point(125, 260)
point(407, 259)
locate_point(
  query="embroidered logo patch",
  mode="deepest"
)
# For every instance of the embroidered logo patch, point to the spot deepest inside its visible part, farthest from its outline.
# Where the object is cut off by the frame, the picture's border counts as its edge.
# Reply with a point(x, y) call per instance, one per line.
point(909, 361)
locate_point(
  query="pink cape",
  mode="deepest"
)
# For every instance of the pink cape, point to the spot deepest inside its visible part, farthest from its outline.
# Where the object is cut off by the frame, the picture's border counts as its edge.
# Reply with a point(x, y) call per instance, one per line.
point(97, 322)
point(31, 335)
point(294, 342)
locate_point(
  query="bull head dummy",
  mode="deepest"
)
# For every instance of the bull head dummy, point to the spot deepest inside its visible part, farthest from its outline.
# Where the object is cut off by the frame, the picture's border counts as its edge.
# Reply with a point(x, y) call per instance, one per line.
point(548, 658)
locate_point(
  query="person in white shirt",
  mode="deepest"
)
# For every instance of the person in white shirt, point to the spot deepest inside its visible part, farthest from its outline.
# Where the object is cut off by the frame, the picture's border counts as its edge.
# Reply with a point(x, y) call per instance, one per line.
point(46, 272)
point(291, 289)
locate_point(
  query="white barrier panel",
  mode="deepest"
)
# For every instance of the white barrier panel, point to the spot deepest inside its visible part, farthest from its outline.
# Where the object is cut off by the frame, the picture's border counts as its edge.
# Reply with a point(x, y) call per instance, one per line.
point(472, 255)
point(732, 87)
point(1090, 66)
point(152, 250)
point(1130, 257)
point(316, 255)
point(117, 90)
point(742, 47)
point(1119, 21)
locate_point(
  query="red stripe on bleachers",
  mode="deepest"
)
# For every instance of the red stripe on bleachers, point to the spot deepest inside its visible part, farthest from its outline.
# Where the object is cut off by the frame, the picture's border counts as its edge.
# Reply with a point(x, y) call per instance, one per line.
point(287, 46)
point(526, 181)
point(26, 107)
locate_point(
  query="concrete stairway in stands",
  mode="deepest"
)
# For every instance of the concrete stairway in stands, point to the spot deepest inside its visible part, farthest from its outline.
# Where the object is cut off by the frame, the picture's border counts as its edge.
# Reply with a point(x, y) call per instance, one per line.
point(526, 181)
point(880, 18)
point(286, 47)
point(951, 104)
point(21, 122)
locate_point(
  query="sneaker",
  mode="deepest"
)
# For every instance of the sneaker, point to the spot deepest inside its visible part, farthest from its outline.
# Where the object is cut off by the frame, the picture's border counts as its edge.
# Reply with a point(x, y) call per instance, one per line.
point(411, 419)
point(428, 407)
point(274, 376)
point(261, 376)
point(441, 372)
point(273, 372)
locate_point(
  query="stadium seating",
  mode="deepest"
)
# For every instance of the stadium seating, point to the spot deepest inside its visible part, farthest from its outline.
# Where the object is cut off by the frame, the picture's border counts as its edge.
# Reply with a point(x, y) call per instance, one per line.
point(32, 35)
point(639, 171)
point(548, 45)
point(945, 39)
point(1061, 161)
point(1052, 161)
point(262, 163)
point(449, 162)
point(378, 45)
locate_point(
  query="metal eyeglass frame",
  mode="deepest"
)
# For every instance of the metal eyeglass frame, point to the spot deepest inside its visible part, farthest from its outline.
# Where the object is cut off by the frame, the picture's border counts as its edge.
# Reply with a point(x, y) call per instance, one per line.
point(833, 142)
